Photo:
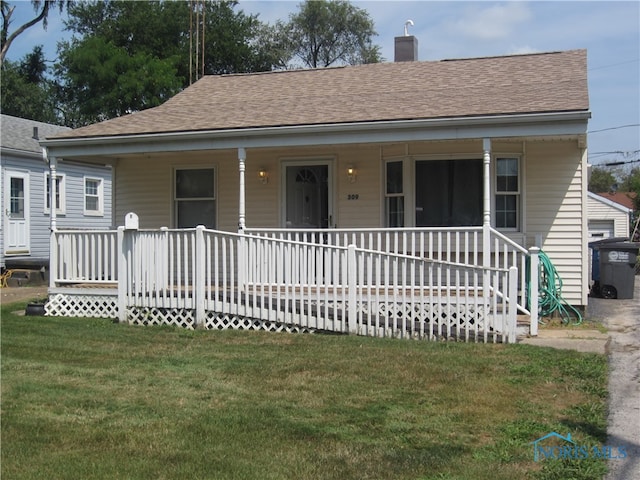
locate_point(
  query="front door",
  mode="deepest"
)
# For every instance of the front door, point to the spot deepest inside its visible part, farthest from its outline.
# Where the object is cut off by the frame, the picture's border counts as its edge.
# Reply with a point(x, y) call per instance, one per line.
point(16, 214)
point(306, 202)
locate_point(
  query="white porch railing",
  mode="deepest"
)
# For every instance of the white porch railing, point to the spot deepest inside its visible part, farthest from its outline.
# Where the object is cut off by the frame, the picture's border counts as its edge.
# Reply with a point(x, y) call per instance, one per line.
point(463, 245)
point(212, 279)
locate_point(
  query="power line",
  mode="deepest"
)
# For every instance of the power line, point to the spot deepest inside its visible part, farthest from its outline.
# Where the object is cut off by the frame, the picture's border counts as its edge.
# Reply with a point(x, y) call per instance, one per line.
point(616, 164)
point(615, 128)
point(611, 65)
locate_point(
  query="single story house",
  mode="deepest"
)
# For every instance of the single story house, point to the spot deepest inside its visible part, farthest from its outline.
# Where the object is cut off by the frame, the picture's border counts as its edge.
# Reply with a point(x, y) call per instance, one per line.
point(607, 217)
point(408, 187)
point(83, 195)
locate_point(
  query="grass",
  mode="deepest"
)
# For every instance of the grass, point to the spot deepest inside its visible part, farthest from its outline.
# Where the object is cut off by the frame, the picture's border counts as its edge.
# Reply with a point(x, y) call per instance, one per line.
point(88, 398)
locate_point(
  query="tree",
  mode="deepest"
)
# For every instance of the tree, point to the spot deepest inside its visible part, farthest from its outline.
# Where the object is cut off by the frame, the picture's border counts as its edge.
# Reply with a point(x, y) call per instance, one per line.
point(325, 33)
point(602, 180)
point(25, 90)
point(42, 12)
point(104, 81)
point(127, 56)
point(631, 183)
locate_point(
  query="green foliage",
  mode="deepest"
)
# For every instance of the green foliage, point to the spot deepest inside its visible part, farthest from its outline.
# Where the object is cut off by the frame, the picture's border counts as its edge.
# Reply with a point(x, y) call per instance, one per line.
point(128, 56)
point(235, 42)
point(325, 33)
point(602, 180)
point(25, 91)
point(104, 81)
point(631, 183)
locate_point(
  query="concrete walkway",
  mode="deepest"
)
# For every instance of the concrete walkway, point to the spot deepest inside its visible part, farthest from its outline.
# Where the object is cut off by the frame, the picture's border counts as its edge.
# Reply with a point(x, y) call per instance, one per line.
point(579, 339)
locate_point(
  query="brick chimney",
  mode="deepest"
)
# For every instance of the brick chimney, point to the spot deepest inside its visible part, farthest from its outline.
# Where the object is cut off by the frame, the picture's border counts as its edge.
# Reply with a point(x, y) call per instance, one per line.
point(406, 49)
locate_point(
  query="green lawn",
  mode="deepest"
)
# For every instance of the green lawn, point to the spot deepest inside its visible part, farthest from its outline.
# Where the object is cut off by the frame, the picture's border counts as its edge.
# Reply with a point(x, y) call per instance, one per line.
point(91, 399)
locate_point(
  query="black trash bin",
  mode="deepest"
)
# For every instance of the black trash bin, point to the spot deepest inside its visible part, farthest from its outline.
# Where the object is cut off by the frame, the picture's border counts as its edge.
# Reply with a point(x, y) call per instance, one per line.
point(595, 261)
point(617, 264)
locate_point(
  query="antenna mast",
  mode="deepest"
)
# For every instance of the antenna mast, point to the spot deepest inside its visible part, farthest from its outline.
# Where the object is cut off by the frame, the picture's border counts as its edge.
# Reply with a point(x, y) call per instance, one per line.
point(197, 27)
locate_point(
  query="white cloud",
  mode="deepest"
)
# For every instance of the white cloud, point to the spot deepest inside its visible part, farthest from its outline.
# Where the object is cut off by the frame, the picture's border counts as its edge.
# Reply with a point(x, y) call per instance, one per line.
point(522, 49)
point(492, 22)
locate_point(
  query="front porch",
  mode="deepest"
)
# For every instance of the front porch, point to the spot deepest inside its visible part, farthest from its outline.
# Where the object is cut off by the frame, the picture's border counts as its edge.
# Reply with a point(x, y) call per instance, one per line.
point(466, 283)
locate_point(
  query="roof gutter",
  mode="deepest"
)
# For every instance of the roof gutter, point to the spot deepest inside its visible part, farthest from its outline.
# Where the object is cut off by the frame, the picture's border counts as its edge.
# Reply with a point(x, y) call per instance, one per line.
point(558, 123)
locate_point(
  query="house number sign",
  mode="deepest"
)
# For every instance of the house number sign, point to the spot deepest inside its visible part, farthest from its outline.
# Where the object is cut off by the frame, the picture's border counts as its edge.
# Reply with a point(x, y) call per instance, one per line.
point(353, 196)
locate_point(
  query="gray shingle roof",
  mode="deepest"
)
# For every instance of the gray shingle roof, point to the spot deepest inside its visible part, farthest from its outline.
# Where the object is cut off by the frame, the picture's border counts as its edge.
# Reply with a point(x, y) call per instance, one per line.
point(17, 133)
point(518, 84)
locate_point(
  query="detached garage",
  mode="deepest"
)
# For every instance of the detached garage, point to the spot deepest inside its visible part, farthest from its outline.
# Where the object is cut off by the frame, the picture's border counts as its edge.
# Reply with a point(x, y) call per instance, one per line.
point(607, 218)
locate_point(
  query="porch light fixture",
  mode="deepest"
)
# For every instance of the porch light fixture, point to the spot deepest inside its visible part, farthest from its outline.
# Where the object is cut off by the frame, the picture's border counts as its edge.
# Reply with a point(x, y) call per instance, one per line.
point(351, 174)
point(264, 176)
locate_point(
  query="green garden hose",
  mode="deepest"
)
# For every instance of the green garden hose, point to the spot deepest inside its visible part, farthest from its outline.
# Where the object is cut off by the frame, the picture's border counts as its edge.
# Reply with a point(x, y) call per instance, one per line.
point(550, 299)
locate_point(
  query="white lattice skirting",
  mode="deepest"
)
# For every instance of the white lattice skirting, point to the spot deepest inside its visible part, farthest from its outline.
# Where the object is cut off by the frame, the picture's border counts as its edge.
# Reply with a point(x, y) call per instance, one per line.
point(427, 321)
point(91, 306)
point(105, 306)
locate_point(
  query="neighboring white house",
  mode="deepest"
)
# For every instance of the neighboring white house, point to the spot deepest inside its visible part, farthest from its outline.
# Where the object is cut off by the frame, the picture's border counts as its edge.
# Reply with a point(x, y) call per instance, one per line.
point(607, 218)
point(83, 197)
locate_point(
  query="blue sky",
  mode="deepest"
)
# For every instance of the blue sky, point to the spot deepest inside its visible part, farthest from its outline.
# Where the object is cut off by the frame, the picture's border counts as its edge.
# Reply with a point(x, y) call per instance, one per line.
point(609, 30)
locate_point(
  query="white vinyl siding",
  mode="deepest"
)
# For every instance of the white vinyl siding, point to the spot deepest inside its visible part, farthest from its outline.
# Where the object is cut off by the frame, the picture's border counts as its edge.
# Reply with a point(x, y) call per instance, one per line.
point(555, 212)
point(73, 214)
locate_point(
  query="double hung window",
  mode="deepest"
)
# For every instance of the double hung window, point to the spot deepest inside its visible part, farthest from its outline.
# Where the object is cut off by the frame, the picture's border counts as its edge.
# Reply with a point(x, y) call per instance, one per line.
point(394, 194)
point(93, 196)
point(507, 206)
point(195, 199)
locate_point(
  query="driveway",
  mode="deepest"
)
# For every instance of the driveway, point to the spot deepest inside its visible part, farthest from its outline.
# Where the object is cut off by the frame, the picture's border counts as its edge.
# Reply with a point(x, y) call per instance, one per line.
point(22, 294)
point(622, 319)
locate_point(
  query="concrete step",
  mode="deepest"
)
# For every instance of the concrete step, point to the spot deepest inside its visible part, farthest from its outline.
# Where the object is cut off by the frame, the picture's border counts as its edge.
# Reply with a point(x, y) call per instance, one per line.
point(21, 277)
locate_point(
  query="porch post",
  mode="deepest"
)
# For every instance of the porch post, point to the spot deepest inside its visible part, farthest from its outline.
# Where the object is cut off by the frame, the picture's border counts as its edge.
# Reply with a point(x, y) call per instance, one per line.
point(242, 250)
point(486, 173)
point(53, 187)
point(242, 156)
point(53, 240)
point(486, 216)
